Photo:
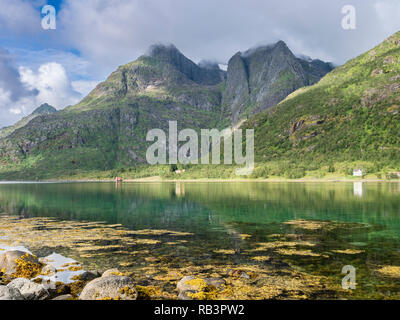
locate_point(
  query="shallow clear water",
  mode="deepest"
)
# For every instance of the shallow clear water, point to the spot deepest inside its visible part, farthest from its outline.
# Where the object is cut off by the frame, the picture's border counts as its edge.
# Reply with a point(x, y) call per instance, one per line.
point(361, 216)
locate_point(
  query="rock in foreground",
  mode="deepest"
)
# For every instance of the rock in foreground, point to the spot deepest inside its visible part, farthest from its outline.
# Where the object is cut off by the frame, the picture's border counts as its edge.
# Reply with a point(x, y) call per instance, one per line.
point(12, 262)
point(109, 288)
point(7, 293)
point(29, 290)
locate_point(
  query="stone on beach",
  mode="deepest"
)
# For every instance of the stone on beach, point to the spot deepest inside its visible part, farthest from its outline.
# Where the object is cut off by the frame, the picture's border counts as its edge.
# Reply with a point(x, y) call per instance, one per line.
point(29, 290)
point(9, 264)
point(109, 288)
point(7, 293)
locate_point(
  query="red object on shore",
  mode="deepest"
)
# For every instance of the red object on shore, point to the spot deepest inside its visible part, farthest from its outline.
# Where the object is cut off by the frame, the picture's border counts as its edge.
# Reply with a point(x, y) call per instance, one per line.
point(118, 179)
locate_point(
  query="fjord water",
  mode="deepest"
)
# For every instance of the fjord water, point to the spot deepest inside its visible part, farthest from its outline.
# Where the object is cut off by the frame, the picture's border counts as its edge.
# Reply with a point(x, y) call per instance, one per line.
point(365, 216)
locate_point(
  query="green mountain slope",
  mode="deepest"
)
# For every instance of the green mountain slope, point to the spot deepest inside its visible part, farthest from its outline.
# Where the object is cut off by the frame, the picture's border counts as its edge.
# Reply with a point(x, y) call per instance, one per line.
point(352, 114)
point(107, 129)
point(42, 110)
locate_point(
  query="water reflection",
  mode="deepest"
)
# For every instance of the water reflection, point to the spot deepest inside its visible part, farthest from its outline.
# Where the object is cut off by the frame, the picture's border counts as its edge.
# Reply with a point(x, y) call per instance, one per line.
point(345, 223)
point(188, 205)
point(358, 189)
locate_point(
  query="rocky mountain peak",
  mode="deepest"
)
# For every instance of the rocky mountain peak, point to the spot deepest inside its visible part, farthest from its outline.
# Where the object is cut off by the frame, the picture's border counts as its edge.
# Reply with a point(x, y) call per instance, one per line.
point(45, 108)
point(165, 52)
point(263, 76)
point(205, 73)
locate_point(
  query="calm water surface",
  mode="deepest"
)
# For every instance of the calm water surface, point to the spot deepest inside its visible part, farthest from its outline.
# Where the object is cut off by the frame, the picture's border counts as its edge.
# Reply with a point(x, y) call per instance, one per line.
point(365, 216)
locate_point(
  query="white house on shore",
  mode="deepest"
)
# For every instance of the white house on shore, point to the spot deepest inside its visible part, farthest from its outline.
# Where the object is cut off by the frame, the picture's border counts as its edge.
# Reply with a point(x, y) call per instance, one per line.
point(357, 172)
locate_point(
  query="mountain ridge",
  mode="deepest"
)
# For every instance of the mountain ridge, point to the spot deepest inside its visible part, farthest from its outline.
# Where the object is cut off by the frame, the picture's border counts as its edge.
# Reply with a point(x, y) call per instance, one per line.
point(259, 78)
point(107, 129)
point(350, 118)
point(41, 110)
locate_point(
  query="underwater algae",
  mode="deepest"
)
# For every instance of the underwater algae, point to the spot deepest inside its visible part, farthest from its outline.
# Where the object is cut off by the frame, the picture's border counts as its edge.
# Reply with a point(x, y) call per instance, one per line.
point(298, 263)
point(156, 273)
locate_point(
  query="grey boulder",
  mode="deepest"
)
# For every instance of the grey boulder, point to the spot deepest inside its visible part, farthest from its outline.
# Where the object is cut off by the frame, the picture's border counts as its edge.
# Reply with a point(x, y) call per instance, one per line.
point(7, 293)
point(29, 290)
point(8, 260)
point(109, 288)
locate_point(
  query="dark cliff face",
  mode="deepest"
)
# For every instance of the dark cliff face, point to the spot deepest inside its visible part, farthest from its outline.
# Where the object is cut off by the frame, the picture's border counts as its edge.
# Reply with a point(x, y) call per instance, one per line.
point(204, 74)
point(237, 92)
point(260, 78)
point(352, 114)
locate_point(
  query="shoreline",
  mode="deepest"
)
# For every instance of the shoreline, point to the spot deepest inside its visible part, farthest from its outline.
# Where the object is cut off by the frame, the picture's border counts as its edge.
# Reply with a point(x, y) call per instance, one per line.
point(205, 180)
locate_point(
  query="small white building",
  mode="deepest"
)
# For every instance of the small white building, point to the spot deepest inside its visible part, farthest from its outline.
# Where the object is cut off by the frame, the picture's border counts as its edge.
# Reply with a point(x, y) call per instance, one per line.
point(357, 172)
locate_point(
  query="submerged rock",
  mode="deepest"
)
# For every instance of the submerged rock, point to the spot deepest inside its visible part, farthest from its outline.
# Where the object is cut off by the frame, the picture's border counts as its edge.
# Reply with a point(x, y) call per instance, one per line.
point(49, 270)
point(109, 288)
point(111, 272)
point(7, 293)
point(192, 288)
point(190, 283)
point(186, 295)
point(238, 274)
point(29, 290)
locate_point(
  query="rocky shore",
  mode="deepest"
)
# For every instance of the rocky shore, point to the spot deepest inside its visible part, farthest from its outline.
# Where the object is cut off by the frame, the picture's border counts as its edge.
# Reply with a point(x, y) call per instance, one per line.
point(23, 276)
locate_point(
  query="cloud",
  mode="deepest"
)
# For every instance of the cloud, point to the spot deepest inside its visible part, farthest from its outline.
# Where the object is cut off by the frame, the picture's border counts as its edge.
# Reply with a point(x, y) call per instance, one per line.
point(116, 32)
point(20, 16)
point(52, 83)
point(94, 37)
point(10, 81)
point(13, 92)
point(83, 86)
point(75, 66)
point(48, 84)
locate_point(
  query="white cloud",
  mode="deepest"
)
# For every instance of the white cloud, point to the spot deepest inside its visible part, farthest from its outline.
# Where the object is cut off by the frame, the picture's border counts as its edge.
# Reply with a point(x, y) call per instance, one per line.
point(94, 37)
point(115, 32)
point(84, 87)
point(388, 12)
point(20, 16)
point(74, 65)
point(50, 84)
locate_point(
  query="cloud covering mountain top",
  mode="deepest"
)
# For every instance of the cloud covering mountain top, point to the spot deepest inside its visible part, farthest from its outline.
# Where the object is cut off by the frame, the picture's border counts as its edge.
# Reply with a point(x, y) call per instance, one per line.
point(94, 37)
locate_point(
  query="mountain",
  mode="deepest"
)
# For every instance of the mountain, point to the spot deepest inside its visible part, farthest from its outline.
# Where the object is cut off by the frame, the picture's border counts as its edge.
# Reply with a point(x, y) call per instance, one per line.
point(260, 78)
point(352, 114)
point(42, 110)
point(108, 128)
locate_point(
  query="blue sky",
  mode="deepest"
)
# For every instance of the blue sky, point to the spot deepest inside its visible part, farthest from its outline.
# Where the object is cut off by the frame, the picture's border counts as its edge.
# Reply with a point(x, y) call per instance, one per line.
point(94, 37)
